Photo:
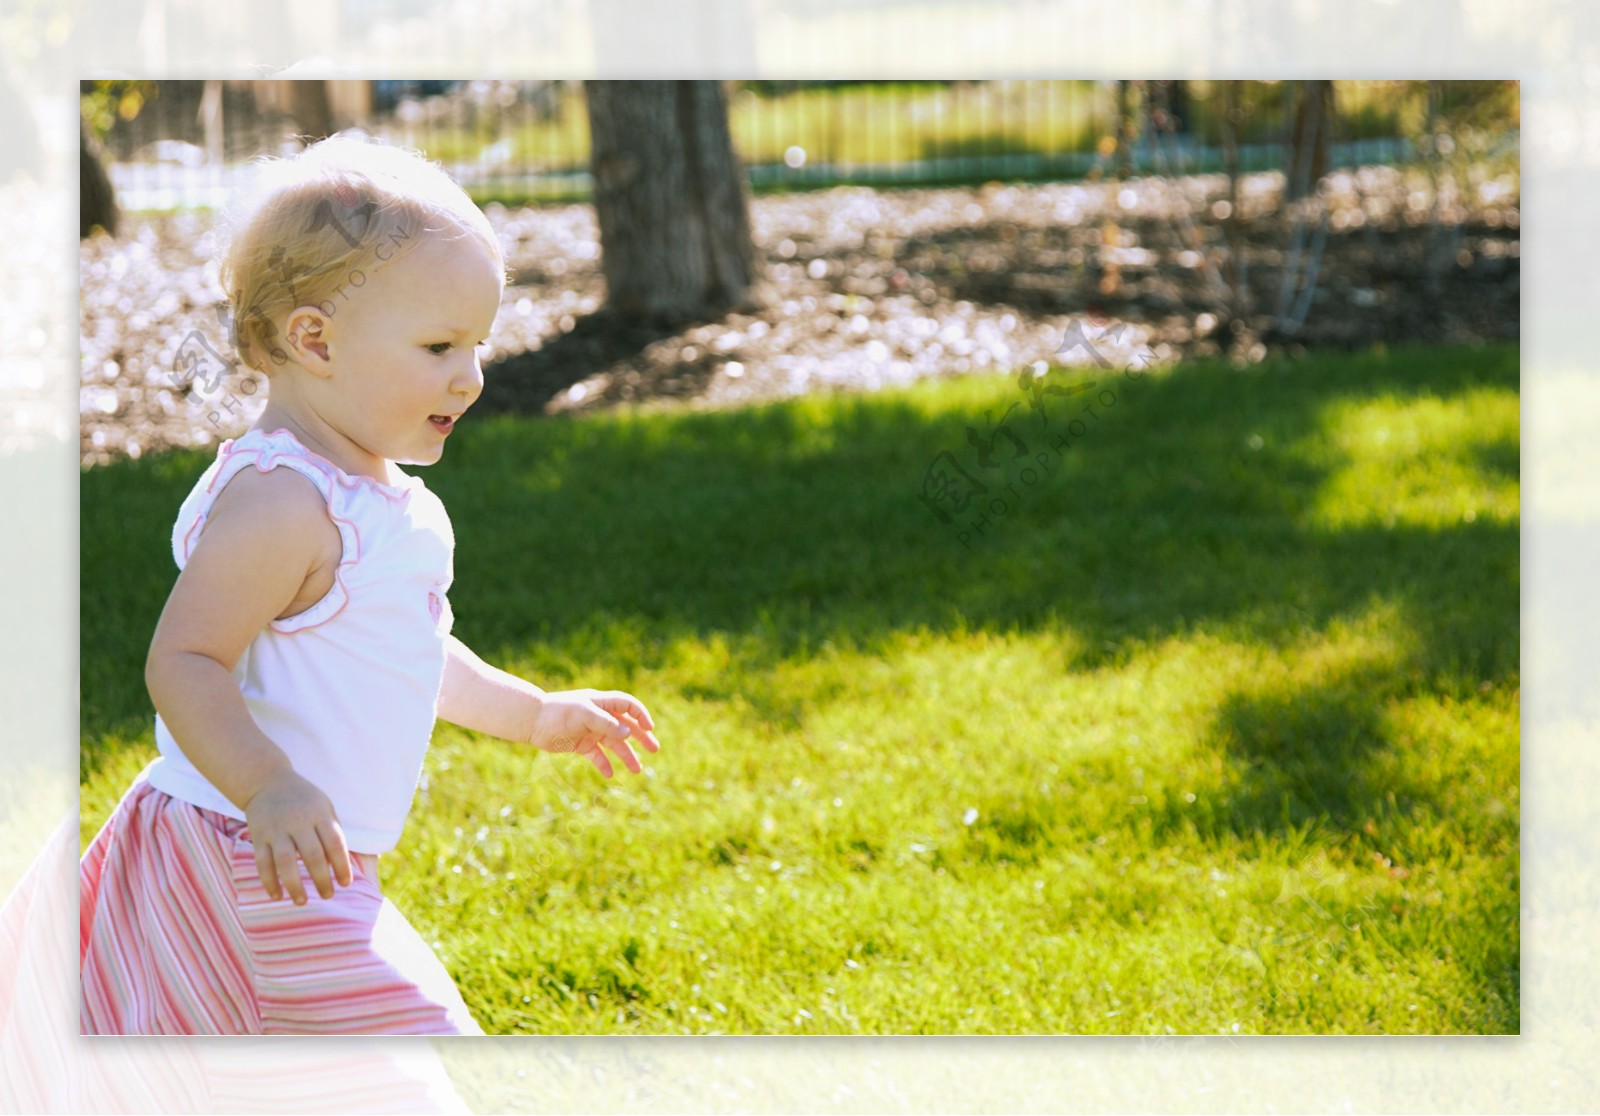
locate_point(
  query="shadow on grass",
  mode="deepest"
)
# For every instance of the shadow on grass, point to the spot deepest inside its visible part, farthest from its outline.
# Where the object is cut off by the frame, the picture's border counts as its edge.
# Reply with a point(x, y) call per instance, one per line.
point(783, 529)
point(1501, 457)
point(1292, 757)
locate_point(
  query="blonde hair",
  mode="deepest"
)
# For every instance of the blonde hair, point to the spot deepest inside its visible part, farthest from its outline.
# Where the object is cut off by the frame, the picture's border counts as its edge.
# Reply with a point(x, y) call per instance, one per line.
point(310, 225)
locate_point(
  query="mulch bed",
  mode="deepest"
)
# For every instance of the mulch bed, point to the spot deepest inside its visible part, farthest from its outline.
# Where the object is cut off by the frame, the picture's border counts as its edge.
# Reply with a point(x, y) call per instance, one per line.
point(863, 289)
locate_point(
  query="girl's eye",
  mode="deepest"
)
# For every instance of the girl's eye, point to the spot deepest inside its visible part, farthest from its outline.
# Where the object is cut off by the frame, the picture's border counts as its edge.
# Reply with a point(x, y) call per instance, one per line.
point(439, 348)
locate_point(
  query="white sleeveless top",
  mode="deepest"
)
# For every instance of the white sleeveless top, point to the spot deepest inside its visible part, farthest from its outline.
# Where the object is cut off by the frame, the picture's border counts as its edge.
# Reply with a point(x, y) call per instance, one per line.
point(349, 687)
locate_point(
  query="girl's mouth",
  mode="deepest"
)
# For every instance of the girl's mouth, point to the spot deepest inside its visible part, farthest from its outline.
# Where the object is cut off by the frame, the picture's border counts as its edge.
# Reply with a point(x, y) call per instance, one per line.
point(443, 423)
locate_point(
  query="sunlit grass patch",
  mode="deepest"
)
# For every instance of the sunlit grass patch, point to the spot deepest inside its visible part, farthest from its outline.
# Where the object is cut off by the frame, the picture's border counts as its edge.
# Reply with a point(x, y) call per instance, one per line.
point(1426, 462)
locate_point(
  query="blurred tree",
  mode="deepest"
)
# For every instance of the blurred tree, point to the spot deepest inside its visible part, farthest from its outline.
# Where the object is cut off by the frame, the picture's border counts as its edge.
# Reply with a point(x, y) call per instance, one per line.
point(309, 105)
point(671, 199)
point(210, 115)
point(1306, 160)
point(97, 204)
point(1178, 102)
point(1124, 138)
point(1233, 268)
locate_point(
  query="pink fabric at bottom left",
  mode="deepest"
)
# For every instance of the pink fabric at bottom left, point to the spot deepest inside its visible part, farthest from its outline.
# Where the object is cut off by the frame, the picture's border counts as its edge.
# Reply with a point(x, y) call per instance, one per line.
point(177, 936)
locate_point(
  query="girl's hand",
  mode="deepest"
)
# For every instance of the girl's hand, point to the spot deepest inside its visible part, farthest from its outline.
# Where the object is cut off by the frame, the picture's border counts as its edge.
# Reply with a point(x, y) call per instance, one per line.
point(288, 814)
point(586, 722)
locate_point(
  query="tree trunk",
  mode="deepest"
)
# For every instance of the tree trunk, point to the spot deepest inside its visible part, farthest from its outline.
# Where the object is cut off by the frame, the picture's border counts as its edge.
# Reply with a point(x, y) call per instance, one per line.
point(311, 109)
point(1178, 105)
point(211, 120)
point(97, 204)
point(1124, 132)
point(1307, 156)
point(1234, 268)
point(671, 200)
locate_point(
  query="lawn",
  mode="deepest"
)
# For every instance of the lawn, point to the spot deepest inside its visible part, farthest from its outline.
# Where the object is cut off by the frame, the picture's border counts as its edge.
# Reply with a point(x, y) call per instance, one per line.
point(1214, 730)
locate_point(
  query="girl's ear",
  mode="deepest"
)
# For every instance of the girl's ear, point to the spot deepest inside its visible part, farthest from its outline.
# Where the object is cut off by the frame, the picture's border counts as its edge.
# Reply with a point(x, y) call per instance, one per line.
point(307, 339)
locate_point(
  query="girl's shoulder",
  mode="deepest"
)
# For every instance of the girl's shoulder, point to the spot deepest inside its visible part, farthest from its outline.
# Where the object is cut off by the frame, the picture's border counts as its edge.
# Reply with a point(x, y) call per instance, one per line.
point(266, 520)
point(277, 500)
point(279, 515)
point(268, 479)
point(264, 554)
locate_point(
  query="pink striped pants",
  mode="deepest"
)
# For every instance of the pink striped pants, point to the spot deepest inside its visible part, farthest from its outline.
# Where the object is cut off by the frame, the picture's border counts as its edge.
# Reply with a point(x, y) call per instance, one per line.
point(177, 936)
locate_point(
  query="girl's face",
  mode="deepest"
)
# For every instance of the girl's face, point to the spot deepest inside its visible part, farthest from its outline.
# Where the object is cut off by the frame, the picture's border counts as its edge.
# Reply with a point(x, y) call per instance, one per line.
point(402, 349)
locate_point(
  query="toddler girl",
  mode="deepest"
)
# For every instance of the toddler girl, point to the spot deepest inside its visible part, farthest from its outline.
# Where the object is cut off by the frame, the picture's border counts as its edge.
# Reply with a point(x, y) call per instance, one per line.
point(305, 651)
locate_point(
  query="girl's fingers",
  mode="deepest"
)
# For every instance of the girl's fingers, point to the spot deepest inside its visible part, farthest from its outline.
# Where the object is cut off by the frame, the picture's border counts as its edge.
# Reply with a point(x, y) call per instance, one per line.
point(640, 733)
point(332, 838)
point(327, 859)
point(629, 711)
point(648, 739)
point(598, 720)
point(266, 870)
point(619, 703)
point(630, 758)
point(316, 864)
point(597, 756)
point(288, 877)
point(608, 720)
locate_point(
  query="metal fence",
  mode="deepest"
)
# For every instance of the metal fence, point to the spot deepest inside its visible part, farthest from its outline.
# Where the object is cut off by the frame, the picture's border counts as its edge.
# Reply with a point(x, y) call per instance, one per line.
point(183, 142)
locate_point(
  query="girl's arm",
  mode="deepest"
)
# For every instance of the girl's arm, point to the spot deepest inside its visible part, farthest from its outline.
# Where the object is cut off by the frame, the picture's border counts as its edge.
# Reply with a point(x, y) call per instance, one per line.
point(486, 699)
point(265, 534)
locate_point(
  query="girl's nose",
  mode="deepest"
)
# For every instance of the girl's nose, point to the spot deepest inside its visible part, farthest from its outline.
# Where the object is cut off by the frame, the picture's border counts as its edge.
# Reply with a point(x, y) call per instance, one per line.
point(470, 382)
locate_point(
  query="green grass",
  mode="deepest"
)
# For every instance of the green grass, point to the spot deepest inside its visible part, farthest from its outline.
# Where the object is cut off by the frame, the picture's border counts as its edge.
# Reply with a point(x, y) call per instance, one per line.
point(896, 123)
point(1216, 730)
